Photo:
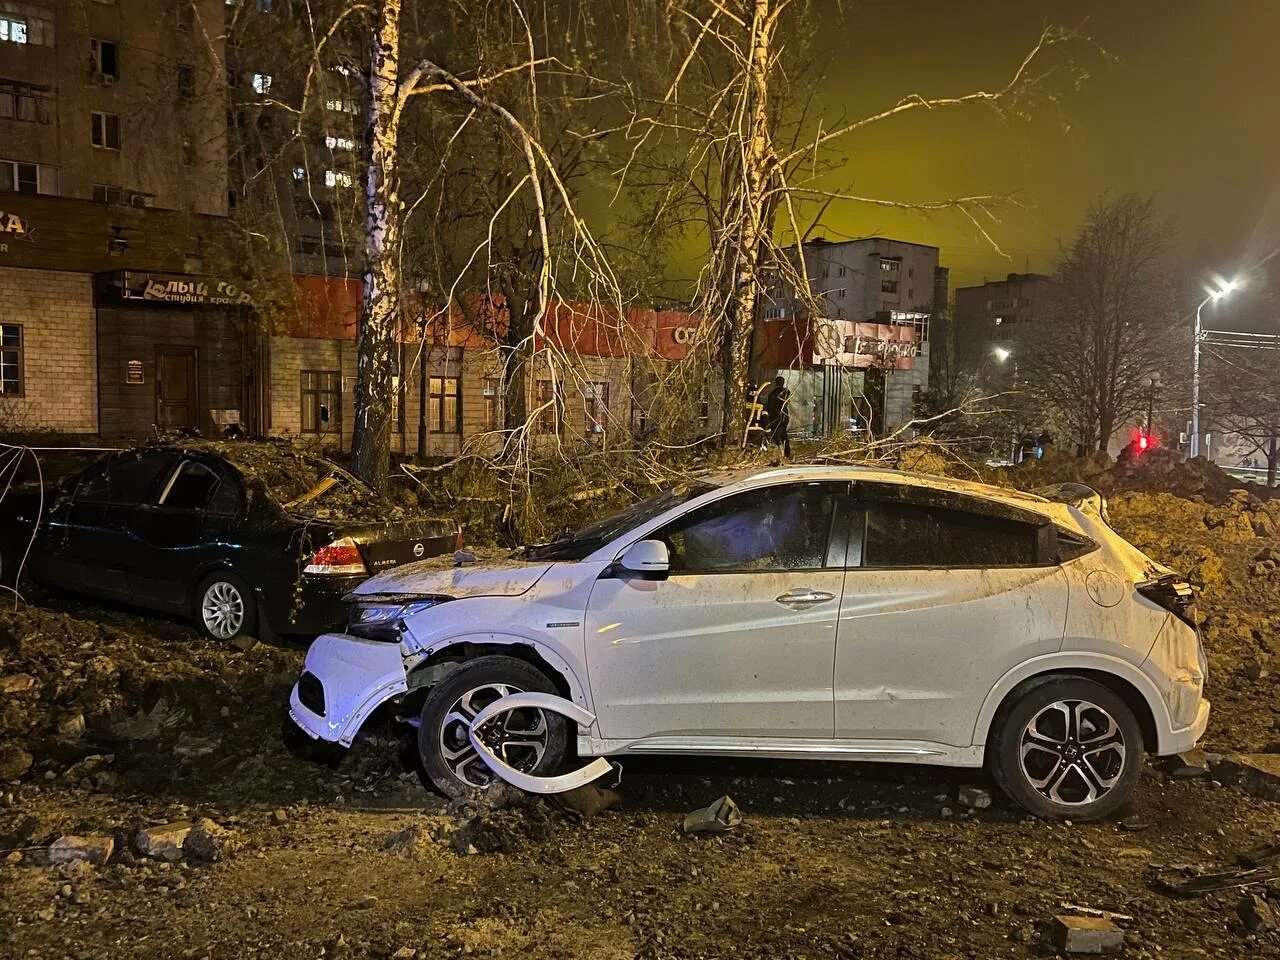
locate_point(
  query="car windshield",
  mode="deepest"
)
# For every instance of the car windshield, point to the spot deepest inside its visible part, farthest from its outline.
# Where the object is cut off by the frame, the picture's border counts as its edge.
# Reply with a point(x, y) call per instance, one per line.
point(581, 543)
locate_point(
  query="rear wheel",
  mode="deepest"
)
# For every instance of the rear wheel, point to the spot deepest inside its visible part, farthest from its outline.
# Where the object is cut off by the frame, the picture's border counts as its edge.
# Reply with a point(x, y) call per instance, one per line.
point(532, 741)
point(224, 607)
point(1068, 749)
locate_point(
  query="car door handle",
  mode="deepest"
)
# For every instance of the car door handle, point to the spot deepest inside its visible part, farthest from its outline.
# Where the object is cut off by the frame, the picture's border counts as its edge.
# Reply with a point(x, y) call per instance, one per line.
point(804, 596)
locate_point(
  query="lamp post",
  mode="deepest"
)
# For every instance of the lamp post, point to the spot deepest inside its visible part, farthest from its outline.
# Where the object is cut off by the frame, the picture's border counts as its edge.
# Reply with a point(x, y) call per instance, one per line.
point(1215, 294)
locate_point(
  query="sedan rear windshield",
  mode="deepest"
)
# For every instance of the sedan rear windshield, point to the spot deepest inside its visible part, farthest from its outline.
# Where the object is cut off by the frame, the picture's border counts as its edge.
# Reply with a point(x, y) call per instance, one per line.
point(582, 543)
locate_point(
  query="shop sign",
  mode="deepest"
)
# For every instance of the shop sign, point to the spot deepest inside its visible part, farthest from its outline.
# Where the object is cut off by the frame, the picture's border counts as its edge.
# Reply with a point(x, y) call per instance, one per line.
point(13, 225)
point(133, 372)
point(171, 288)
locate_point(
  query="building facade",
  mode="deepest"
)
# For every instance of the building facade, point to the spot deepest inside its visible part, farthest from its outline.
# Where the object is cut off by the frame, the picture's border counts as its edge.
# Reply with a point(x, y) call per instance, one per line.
point(860, 363)
point(993, 319)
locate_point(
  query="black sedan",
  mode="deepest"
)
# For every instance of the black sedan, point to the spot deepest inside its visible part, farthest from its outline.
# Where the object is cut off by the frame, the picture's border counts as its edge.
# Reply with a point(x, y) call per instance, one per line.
point(243, 537)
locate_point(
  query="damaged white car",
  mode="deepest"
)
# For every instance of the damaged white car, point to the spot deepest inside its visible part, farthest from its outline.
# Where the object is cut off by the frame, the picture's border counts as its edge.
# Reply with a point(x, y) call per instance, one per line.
point(808, 612)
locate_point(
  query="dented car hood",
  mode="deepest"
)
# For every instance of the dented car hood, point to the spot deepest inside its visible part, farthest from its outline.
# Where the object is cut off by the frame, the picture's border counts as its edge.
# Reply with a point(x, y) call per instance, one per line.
point(508, 578)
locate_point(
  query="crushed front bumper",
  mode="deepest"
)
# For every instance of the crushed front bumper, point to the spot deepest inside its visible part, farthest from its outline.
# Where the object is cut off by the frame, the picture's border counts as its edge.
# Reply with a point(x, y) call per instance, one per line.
point(345, 679)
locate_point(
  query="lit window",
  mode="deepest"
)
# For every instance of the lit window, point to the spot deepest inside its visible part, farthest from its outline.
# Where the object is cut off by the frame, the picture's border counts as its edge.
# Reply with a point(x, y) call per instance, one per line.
point(337, 178)
point(444, 410)
point(299, 174)
point(105, 130)
point(262, 83)
point(341, 106)
point(339, 143)
point(11, 359)
point(13, 29)
point(890, 266)
point(492, 403)
point(597, 406)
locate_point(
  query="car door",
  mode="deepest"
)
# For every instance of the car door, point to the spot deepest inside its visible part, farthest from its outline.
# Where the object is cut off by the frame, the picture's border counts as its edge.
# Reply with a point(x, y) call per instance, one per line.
point(178, 532)
point(89, 539)
point(739, 640)
point(943, 595)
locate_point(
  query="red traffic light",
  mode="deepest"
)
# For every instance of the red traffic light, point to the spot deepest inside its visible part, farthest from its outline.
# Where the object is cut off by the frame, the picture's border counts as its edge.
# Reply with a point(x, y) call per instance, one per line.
point(1143, 441)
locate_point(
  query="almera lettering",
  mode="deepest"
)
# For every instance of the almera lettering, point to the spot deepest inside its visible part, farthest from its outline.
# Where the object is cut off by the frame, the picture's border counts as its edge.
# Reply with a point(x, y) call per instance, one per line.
point(14, 225)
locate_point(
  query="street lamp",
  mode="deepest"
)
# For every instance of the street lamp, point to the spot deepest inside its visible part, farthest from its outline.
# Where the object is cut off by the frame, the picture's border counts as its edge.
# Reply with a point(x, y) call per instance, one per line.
point(1214, 295)
point(1002, 353)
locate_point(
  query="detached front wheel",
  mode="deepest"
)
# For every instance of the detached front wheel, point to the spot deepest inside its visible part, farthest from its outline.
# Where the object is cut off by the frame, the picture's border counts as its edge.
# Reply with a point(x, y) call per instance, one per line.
point(533, 741)
point(1069, 749)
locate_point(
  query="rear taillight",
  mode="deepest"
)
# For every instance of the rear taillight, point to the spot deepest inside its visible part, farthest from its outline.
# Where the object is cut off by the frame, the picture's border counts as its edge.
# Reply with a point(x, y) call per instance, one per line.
point(338, 558)
point(1174, 594)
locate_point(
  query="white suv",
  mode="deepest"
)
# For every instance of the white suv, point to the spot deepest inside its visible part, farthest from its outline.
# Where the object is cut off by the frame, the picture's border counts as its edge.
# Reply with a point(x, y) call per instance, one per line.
point(824, 612)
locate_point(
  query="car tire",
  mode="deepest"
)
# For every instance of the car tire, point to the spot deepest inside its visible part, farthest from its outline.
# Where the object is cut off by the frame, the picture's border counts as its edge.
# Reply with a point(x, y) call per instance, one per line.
point(1068, 749)
point(447, 756)
point(224, 607)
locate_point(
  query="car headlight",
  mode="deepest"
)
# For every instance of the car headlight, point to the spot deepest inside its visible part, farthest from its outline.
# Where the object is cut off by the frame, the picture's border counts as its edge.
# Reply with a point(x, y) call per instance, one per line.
point(382, 619)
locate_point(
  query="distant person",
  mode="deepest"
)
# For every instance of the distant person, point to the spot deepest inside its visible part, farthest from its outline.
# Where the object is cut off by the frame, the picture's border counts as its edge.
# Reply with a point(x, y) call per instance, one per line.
point(779, 422)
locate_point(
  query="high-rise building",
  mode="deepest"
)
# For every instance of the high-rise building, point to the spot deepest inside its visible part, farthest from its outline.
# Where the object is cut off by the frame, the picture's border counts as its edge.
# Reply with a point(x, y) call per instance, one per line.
point(994, 319)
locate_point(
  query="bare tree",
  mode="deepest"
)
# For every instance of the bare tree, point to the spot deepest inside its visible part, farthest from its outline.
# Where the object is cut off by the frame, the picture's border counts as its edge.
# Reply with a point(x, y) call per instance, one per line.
point(1111, 323)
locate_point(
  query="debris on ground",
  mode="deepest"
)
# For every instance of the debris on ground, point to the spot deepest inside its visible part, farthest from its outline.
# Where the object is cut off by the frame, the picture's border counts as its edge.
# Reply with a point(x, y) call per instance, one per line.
point(162, 842)
point(1258, 774)
point(1085, 934)
point(1188, 764)
point(1205, 883)
point(1257, 915)
point(70, 848)
point(719, 817)
point(975, 798)
point(587, 800)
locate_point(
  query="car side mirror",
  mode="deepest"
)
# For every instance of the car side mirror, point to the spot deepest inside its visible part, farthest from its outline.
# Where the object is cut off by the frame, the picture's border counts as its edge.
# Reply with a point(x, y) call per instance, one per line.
point(648, 559)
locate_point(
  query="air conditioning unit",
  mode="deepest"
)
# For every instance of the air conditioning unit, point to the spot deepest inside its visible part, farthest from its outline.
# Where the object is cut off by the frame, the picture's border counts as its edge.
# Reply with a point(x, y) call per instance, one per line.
point(102, 79)
point(141, 200)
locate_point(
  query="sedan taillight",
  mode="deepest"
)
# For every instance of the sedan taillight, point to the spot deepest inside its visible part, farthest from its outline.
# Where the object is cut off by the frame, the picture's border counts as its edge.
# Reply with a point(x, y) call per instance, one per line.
point(342, 557)
point(1174, 594)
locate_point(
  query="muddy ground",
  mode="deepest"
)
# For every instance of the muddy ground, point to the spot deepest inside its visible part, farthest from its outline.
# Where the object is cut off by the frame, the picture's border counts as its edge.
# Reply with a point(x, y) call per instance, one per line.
point(111, 722)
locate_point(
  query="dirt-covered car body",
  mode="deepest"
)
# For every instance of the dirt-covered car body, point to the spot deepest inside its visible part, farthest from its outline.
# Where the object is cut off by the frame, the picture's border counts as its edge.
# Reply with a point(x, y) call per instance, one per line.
point(832, 612)
point(149, 526)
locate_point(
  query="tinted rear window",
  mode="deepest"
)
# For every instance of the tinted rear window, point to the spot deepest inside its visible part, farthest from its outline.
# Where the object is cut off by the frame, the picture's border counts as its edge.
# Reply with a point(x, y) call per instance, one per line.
point(905, 535)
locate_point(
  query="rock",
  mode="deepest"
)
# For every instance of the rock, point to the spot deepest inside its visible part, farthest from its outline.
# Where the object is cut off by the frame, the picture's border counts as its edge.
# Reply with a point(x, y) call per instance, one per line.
point(589, 800)
point(279, 816)
point(66, 849)
point(1188, 765)
point(1085, 934)
point(14, 761)
point(404, 953)
point(101, 667)
point(164, 842)
point(1258, 774)
point(208, 842)
point(1255, 913)
point(17, 683)
point(367, 902)
point(71, 726)
point(975, 798)
point(1252, 669)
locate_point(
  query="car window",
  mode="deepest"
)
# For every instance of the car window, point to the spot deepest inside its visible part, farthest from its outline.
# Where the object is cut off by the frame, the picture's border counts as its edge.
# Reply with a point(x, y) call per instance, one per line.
point(226, 501)
point(912, 535)
point(775, 528)
point(190, 488)
point(124, 478)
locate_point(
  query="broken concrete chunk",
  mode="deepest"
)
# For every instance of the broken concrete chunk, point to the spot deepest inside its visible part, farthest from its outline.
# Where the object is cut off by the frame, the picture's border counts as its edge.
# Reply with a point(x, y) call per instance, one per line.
point(1085, 934)
point(1255, 913)
point(1257, 773)
point(163, 842)
point(720, 817)
point(208, 842)
point(975, 798)
point(14, 761)
point(588, 800)
point(17, 683)
point(1188, 765)
point(68, 849)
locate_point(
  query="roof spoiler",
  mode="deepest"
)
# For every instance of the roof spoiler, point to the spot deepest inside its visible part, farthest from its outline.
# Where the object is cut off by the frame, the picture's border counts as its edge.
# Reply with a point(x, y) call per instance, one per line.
point(1079, 495)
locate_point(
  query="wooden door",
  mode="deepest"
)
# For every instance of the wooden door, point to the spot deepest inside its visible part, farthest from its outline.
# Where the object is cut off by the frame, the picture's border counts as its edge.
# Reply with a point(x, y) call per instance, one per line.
point(177, 401)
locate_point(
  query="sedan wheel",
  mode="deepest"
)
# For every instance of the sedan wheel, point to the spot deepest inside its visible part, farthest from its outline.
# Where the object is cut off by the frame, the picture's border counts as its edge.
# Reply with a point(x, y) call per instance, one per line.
point(224, 609)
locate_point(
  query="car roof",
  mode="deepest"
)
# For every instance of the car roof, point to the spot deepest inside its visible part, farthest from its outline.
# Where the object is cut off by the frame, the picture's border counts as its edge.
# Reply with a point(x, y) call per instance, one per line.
point(871, 474)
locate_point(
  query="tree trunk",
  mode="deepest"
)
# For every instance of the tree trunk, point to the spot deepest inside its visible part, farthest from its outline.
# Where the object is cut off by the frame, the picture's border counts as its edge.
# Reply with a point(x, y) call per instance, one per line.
point(751, 230)
point(380, 309)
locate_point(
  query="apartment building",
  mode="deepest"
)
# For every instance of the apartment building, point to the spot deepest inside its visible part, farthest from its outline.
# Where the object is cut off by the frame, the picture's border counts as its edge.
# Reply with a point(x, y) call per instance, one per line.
point(115, 312)
point(861, 361)
point(992, 320)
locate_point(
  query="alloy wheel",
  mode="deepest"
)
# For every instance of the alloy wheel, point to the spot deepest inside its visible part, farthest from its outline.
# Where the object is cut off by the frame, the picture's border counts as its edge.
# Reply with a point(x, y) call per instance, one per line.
point(222, 610)
point(1072, 752)
point(519, 737)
